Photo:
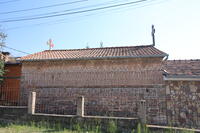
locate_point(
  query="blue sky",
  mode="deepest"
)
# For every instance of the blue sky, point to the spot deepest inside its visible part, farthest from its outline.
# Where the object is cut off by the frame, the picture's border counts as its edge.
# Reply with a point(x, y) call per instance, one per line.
point(177, 24)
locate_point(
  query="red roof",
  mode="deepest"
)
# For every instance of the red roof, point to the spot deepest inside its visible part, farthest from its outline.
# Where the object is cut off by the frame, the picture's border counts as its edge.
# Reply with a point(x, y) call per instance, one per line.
point(97, 53)
point(182, 68)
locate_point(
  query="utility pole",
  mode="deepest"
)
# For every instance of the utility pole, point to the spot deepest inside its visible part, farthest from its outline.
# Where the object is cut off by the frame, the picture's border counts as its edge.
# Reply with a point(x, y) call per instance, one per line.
point(153, 34)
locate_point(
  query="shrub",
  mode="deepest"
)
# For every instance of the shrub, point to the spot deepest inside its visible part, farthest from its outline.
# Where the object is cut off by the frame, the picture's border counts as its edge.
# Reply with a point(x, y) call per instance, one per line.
point(112, 127)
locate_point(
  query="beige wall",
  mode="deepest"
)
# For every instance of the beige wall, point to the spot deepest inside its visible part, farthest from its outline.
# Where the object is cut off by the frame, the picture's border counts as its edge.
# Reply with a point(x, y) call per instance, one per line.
point(84, 73)
point(92, 65)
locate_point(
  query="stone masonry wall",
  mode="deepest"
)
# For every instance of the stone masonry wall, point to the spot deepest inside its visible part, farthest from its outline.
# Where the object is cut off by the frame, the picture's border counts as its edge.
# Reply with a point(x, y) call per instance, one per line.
point(104, 101)
point(110, 87)
point(183, 103)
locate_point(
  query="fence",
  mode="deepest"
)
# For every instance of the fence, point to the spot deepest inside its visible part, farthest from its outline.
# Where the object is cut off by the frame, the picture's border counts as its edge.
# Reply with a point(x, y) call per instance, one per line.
point(61, 102)
point(10, 91)
point(113, 93)
point(80, 107)
point(55, 105)
point(108, 93)
point(12, 94)
point(9, 96)
point(118, 102)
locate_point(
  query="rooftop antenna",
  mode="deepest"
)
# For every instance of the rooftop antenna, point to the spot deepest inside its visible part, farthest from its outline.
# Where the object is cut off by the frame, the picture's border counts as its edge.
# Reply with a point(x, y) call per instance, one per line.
point(153, 34)
point(101, 44)
point(87, 46)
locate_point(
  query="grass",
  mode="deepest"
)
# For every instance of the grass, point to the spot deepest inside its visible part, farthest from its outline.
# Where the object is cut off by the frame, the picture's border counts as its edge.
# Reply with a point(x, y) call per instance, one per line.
point(44, 127)
point(32, 129)
point(27, 129)
point(40, 127)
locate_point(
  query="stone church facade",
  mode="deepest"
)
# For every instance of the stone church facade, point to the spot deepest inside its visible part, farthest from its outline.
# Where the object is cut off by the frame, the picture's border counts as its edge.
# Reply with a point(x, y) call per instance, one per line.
point(113, 81)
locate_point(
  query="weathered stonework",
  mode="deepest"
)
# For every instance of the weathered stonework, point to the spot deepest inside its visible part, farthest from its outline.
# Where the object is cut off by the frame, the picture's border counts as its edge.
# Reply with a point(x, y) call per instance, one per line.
point(104, 101)
point(110, 87)
point(183, 103)
point(92, 73)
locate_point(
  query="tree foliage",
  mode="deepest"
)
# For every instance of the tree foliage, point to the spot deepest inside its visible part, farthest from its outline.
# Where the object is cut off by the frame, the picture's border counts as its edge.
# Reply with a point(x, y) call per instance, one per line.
point(2, 43)
point(2, 38)
point(1, 68)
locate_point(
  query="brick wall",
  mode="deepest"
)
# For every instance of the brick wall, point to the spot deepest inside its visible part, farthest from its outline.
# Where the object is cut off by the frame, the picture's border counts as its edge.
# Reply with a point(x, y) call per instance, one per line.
point(183, 103)
point(92, 73)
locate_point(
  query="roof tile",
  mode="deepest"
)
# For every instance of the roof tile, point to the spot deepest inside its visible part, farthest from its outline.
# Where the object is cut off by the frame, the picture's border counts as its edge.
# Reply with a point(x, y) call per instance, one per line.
point(106, 52)
point(182, 67)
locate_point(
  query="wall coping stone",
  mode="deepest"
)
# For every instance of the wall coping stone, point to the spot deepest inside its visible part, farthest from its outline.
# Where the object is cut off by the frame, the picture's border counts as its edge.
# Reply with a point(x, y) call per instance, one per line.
point(100, 117)
point(15, 107)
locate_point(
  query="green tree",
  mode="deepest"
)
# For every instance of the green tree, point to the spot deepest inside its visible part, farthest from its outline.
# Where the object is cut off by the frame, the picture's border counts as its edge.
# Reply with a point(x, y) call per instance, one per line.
point(2, 38)
point(2, 43)
point(1, 67)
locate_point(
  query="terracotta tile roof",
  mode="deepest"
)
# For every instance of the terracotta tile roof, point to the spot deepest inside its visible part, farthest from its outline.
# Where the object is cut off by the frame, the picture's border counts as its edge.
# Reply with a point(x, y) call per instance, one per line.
point(94, 53)
point(182, 68)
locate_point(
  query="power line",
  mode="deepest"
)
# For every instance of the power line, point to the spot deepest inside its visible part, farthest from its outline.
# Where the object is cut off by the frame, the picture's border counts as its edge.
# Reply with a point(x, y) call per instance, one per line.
point(75, 12)
point(15, 49)
point(73, 9)
point(5, 2)
point(42, 7)
point(64, 20)
point(67, 20)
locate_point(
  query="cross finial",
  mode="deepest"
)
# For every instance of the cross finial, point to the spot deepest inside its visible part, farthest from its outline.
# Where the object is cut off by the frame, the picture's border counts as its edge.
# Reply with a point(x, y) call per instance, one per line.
point(50, 43)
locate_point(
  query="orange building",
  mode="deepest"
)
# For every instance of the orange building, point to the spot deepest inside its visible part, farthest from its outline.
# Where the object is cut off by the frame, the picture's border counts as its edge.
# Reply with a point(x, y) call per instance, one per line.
point(10, 86)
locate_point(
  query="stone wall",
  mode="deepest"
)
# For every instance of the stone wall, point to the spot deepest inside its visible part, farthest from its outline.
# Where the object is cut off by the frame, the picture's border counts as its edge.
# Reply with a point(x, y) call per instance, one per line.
point(121, 102)
point(183, 103)
point(9, 114)
point(18, 115)
point(110, 86)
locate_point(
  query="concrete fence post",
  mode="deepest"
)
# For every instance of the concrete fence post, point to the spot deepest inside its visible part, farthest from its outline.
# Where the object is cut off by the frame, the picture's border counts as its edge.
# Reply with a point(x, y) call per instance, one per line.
point(80, 106)
point(142, 111)
point(31, 102)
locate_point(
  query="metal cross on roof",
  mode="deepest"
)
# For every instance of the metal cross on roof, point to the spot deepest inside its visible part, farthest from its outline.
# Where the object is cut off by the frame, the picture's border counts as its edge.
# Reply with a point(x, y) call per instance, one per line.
point(50, 43)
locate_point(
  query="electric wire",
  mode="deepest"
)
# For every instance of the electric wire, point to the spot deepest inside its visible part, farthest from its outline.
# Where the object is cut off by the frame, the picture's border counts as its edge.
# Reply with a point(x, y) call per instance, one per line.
point(75, 12)
point(14, 49)
point(5, 2)
point(63, 11)
point(43, 7)
point(65, 20)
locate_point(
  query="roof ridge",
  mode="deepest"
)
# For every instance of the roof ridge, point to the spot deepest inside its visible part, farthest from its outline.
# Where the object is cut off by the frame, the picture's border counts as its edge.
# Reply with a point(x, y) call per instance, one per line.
point(97, 53)
point(184, 60)
point(99, 48)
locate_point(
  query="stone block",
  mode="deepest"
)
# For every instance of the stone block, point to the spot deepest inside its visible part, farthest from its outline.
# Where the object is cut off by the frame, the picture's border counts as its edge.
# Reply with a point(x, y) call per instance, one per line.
point(193, 88)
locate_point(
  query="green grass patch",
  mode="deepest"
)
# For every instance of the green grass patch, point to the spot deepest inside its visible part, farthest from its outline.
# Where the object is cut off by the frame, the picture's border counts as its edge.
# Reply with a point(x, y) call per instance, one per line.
point(76, 127)
point(34, 129)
